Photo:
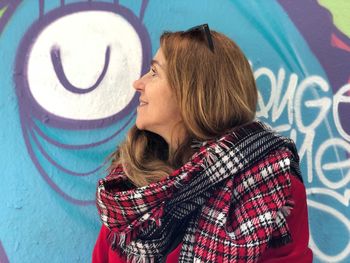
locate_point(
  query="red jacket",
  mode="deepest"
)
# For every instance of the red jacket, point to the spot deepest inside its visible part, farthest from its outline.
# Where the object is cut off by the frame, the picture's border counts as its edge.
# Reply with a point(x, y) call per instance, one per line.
point(296, 251)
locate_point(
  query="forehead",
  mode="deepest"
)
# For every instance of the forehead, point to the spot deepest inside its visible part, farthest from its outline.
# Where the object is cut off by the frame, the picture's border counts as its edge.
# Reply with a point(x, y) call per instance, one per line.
point(159, 56)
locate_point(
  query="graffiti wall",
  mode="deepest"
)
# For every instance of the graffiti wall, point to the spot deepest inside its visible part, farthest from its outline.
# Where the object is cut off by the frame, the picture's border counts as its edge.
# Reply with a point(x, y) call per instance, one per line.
point(66, 101)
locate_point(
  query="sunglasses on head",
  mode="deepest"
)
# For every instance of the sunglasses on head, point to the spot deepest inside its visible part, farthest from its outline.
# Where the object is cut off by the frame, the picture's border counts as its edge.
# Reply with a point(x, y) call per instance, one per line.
point(204, 31)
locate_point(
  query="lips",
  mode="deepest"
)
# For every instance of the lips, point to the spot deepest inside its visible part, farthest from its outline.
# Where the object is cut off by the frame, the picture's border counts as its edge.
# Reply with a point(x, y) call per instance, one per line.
point(142, 103)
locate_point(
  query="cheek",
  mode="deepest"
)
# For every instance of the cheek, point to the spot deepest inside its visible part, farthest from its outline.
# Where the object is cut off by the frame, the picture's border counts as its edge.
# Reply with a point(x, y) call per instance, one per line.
point(170, 109)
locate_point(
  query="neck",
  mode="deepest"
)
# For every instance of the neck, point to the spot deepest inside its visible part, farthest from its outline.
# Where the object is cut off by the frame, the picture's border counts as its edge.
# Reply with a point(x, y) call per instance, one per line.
point(176, 137)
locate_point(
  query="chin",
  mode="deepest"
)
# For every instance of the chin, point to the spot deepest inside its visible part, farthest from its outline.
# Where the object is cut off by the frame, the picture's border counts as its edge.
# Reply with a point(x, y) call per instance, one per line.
point(140, 125)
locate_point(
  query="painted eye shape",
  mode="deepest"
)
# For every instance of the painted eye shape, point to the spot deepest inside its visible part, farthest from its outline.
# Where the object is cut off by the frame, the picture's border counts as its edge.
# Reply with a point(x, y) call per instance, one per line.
point(73, 76)
point(84, 64)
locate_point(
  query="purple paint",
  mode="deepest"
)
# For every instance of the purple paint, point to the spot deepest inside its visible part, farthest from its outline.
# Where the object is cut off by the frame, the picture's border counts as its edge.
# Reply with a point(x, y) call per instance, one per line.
point(30, 109)
point(82, 146)
point(3, 256)
point(41, 8)
point(27, 134)
point(57, 64)
point(26, 100)
point(143, 8)
point(46, 177)
point(315, 24)
point(4, 3)
point(57, 165)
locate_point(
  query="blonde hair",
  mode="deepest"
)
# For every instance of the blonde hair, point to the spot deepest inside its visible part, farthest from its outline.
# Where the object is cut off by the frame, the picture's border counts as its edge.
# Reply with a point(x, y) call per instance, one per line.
point(215, 91)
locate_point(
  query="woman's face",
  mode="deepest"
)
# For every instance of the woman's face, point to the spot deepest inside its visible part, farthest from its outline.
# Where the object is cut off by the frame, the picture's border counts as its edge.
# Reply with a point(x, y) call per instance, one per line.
point(158, 111)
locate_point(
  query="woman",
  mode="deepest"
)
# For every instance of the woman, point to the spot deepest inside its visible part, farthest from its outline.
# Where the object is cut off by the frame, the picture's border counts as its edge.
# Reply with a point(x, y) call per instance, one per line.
point(197, 179)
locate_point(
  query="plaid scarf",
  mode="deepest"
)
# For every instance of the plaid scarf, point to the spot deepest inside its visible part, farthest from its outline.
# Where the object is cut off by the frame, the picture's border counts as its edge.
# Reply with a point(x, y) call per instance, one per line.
point(227, 204)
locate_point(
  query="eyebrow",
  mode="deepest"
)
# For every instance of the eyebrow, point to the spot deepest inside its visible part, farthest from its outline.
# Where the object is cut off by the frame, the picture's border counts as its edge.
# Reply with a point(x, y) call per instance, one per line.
point(153, 62)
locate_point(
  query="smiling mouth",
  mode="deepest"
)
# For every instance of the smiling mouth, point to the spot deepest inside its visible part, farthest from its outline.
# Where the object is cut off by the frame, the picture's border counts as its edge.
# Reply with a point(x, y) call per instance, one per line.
point(142, 103)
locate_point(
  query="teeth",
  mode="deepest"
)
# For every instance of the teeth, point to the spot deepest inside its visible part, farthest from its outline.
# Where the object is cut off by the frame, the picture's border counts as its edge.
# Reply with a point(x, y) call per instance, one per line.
point(142, 103)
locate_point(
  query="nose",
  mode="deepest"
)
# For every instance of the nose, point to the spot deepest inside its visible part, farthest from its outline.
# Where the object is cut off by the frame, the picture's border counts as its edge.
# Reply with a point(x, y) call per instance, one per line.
point(139, 84)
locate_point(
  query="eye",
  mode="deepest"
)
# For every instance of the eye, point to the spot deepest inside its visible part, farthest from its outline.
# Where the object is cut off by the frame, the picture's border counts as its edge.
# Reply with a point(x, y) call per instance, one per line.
point(153, 72)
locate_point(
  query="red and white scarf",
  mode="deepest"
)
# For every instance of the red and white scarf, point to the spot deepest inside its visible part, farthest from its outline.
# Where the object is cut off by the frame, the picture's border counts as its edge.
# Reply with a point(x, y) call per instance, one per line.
point(228, 203)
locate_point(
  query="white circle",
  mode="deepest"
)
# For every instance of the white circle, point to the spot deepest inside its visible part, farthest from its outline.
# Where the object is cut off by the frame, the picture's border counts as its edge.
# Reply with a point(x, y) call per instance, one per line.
point(83, 38)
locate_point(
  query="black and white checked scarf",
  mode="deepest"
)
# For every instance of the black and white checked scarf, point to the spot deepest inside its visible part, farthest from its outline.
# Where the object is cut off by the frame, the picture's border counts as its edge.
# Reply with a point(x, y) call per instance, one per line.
point(227, 204)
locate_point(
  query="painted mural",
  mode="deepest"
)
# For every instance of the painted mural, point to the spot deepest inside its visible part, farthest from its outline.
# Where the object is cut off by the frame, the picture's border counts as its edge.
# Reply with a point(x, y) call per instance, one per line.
point(66, 102)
